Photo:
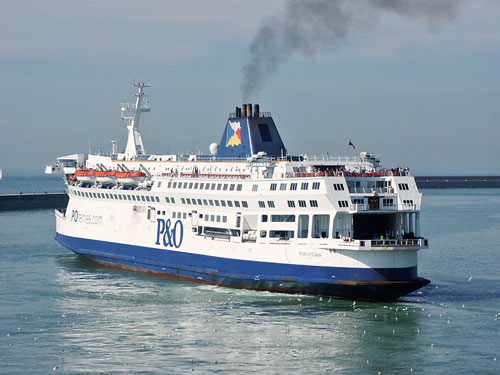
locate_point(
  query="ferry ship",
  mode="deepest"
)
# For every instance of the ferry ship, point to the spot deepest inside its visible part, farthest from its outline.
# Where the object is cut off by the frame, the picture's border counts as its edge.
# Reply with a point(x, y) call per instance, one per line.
point(247, 215)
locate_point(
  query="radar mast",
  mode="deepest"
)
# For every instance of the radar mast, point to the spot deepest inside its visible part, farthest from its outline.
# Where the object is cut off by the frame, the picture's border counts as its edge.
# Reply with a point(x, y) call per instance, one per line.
point(130, 115)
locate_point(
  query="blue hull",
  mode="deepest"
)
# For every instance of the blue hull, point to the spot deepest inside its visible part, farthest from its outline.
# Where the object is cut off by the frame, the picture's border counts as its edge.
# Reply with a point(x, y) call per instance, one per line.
point(354, 283)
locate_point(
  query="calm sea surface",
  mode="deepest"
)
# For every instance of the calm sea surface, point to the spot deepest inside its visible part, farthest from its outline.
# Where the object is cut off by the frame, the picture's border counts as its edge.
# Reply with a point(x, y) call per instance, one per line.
point(62, 314)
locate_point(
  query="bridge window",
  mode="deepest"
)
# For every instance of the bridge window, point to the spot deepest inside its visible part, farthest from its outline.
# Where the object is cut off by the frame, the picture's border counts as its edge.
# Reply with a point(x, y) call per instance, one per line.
point(262, 204)
point(244, 204)
point(238, 188)
point(273, 186)
point(291, 204)
point(270, 204)
point(224, 187)
point(196, 185)
point(231, 187)
point(188, 201)
point(230, 204)
point(302, 203)
point(223, 202)
point(293, 186)
point(185, 185)
point(202, 185)
point(263, 218)
point(313, 203)
point(282, 186)
point(217, 203)
point(174, 185)
point(236, 203)
point(304, 186)
point(211, 202)
point(183, 201)
point(316, 185)
point(255, 187)
point(190, 185)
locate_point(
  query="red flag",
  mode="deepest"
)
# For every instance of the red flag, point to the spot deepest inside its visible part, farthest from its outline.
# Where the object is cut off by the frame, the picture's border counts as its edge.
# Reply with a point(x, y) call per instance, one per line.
point(350, 144)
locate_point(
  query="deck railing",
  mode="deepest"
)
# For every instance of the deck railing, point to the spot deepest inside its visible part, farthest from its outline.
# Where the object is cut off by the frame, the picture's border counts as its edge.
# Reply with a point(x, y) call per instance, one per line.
point(397, 242)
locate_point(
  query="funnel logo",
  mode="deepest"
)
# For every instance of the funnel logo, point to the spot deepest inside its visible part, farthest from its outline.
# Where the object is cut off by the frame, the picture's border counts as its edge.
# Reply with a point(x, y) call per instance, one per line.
point(235, 130)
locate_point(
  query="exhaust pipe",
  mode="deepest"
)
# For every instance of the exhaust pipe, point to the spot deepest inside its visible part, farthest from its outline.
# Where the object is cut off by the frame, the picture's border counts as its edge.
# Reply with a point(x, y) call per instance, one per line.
point(244, 110)
point(249, 110)
point(256, 111)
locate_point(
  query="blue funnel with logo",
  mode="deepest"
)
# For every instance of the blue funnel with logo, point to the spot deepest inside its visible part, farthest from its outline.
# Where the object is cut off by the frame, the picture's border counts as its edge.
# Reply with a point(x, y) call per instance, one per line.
point(248, 133)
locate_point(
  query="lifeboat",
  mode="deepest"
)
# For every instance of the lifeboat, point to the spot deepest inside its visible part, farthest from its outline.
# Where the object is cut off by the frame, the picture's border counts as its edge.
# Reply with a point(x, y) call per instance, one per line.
point(85, 177)
point(106, 178)
point(130, 178)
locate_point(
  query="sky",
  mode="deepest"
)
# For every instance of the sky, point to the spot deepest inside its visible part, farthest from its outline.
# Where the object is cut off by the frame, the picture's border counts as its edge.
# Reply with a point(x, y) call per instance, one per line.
point(421, 94)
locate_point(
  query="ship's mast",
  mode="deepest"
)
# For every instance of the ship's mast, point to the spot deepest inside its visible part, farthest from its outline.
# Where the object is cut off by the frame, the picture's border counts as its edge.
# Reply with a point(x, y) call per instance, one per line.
point(135, 147)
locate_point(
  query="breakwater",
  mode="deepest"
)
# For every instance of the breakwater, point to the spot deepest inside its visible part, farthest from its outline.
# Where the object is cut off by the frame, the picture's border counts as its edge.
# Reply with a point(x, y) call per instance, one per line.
point(32, 201)
point(457, 182)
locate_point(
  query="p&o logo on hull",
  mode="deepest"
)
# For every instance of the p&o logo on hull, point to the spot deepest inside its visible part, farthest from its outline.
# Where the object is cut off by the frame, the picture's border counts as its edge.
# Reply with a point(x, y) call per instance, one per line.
point(169, 235)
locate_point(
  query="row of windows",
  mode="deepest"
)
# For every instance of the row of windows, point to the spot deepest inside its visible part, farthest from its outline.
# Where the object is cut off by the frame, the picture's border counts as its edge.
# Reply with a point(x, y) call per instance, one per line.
point(293, 186)
point(338, 187)
point(403, 187)
point(343, 204)
point(216, 218)
point(118, 196)
point(213, 202)
point(387, 202)
point(291, 204)
point(408, 201)
point(319, 228)
point(203, 186)
point(358, 201)
point(279, 218)
point(184, 215)
point(179, 215)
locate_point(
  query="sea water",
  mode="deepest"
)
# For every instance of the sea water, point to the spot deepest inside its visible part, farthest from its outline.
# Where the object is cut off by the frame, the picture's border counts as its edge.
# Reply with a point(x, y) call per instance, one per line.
point(62, 314)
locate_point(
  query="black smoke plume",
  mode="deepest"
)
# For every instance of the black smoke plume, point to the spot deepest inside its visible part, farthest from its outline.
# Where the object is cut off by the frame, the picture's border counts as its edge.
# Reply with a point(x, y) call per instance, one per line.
point(307, 25)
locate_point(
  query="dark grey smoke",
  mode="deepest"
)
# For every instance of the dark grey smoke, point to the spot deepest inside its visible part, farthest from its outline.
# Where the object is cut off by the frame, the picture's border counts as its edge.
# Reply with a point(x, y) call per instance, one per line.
point(307, 25)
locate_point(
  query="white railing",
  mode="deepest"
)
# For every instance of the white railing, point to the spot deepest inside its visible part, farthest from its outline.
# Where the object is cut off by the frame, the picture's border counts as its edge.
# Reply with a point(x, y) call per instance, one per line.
point(397, 242)
point(370, 190)
point(360, 207)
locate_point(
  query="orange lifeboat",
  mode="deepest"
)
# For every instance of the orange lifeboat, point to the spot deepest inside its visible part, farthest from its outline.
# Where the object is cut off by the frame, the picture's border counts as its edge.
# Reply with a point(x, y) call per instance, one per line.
point(130, 178)
point(85, 177)
point(106, 177)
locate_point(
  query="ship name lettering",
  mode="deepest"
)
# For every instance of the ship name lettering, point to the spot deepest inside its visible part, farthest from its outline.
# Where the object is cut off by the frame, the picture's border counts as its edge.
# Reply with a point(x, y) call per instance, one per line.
point(309, 254)
point(170, 235)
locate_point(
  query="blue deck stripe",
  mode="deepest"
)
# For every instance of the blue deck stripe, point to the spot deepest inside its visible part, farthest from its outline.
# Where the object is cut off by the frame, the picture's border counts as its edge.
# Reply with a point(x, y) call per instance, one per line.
point(225, 269)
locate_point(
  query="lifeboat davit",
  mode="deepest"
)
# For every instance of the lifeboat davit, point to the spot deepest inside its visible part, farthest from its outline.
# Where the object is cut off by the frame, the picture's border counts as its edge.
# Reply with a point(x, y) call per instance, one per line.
point(106, 178)
point(130, 178)
point(85, 177)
